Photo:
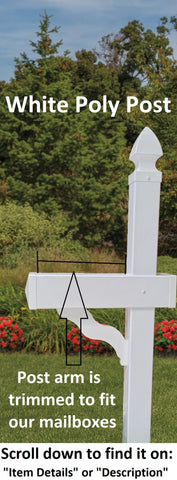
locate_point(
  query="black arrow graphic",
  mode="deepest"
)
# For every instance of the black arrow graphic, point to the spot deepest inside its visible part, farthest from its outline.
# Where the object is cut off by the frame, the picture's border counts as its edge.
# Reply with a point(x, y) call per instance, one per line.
point(73, 283)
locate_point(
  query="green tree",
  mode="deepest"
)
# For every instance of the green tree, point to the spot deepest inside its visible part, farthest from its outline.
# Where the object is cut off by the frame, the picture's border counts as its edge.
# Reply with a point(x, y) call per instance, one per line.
point(76, 164)
point(66, 162)
point(134, 51)
point(44, 47)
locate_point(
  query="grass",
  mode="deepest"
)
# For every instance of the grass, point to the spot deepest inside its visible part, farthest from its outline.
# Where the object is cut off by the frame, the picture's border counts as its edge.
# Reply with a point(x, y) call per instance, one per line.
point(18, 275)
point(11, 364)
point(27, 263)
point(164, 412)
point(166, 264)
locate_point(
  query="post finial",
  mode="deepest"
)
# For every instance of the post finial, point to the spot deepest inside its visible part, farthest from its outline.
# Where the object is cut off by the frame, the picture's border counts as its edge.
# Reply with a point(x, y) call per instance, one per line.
point(146, 151)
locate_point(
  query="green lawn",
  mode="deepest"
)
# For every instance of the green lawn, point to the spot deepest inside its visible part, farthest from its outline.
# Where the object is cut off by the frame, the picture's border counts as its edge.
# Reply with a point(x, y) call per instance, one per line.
point(164, 410)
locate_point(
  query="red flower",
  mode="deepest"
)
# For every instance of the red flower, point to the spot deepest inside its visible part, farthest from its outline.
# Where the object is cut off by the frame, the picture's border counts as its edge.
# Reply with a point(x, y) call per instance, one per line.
point(76, 340)
point(172, 329)
point(14, 336)
point(73, 330)
point(99, 349)
point(9, 323)
point(11, 333)
point(167, 335)
point(20, 332)
point(158, 348)
point(165, 329)
point(76, 349)
point(16, 326)
point(88, 345)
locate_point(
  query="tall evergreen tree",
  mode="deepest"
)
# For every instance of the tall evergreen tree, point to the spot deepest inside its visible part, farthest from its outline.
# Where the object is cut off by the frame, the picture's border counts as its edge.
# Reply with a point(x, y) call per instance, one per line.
point(77, 163)
point(66, 162)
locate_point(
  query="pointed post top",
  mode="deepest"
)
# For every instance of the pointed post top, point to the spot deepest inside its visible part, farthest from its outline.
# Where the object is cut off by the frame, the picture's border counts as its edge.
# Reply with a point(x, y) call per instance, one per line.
point(146, 151)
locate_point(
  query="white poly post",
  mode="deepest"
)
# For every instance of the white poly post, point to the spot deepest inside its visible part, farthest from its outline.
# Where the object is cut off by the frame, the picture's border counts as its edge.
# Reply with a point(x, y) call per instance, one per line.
point(143, 220)
point(140, 291)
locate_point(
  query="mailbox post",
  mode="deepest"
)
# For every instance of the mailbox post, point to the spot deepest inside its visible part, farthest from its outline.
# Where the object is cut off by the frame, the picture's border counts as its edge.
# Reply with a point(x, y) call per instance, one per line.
point(140, 291)
point(143, 224)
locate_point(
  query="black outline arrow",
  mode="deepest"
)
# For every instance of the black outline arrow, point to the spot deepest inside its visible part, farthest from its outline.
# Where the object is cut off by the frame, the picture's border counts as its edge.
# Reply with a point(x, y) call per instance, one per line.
point(73, 276)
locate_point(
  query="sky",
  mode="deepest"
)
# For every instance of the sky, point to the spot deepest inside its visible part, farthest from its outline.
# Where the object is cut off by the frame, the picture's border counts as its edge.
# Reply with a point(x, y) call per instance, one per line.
point(83, 23)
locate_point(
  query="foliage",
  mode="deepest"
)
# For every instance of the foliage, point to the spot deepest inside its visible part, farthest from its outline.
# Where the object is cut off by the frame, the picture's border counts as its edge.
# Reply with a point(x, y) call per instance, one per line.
point(66, 162)
point(135, 52)
point(24, 230)
point(12, 301)
point(46, 333)
point(75, 165)
point(167, 264)
point(11, 336)
point(146, 68)
point(42, 331)
point(89, 345)
point(166, 336)
point(44, 46)
point(112, 316)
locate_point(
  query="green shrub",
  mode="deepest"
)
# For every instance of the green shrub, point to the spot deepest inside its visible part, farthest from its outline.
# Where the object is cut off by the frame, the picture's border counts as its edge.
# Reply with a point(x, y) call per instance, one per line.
point(45, 333)
point(23, 231)
point(12, 301)
point(89, 345)
point(11, 336)
point(165, 339)
point(111, 316)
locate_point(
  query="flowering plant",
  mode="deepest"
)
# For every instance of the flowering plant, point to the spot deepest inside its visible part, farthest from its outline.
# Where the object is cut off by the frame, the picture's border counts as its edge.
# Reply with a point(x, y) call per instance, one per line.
point(165, 338)
point(88, 345)
point(11, 336)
